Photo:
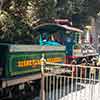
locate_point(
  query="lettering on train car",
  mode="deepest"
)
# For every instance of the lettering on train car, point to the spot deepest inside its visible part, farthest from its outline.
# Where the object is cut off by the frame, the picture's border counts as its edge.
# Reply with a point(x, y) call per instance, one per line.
point(33, 63)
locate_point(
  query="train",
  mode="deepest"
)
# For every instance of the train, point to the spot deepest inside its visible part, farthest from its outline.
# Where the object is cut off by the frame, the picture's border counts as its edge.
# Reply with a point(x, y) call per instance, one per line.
point(17, 60)
point(20, 63)
point(77, 49)
point(59, 43)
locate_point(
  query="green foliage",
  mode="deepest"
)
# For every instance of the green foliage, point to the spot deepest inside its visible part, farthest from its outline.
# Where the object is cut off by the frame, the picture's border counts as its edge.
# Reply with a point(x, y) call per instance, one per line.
point(13, 29)
point(19, 16)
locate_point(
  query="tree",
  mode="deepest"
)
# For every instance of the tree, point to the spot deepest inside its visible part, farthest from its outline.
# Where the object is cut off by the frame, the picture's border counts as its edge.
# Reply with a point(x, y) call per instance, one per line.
point(81, 8)
point(19, 16)
point(23, 15)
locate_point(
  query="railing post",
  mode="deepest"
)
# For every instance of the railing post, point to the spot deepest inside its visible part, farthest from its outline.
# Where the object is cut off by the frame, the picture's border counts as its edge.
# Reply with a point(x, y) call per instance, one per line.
point(42, 79)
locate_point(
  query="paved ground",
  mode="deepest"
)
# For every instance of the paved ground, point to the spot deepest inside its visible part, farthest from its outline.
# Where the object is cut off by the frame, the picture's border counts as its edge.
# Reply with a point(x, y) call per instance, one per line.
point(90, 92)
point(80, 90)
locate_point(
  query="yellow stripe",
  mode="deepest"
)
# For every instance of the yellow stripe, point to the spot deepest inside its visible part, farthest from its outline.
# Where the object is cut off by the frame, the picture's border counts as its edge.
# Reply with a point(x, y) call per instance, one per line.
point(34, 63)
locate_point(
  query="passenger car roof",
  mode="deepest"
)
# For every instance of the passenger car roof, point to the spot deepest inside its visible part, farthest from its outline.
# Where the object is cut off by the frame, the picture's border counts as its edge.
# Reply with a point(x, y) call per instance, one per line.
point(50, 27)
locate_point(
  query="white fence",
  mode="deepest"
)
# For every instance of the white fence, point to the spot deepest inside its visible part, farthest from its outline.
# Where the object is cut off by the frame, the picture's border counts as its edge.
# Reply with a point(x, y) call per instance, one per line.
point(70, 82)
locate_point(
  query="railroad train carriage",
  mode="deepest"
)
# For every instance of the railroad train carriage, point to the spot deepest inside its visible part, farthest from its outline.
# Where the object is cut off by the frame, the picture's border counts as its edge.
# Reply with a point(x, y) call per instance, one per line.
point(76, 49)
point(56, 34)
point(49, 39)
point(20, 63)
point(23, 59)
point(76, 43)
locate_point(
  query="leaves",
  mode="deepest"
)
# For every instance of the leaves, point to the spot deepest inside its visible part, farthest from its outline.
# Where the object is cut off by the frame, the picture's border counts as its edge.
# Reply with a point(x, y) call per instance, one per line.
point(19, 16)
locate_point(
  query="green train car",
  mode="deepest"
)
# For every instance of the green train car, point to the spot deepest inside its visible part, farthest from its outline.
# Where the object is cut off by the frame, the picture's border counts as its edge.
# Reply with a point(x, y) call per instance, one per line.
point(18, 60)
point(20, 65)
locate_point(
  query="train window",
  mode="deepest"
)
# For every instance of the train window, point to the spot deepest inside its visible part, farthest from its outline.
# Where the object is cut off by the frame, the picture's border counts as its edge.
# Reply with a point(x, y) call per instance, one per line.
point(47, 38)
point(57, 37)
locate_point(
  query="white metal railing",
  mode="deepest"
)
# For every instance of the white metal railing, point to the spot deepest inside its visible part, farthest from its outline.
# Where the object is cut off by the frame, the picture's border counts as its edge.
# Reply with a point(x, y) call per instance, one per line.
point(71, 82)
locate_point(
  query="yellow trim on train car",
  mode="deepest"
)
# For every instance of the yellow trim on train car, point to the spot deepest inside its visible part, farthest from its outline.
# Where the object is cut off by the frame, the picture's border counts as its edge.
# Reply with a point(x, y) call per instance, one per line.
point(33, 63)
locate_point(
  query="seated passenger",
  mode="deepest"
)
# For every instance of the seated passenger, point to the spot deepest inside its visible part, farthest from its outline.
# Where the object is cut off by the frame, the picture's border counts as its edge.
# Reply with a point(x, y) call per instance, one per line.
point(51, 41)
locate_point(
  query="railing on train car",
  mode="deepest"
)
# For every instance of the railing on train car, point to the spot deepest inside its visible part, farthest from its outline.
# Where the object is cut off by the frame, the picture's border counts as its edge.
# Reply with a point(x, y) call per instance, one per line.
point(82, 84)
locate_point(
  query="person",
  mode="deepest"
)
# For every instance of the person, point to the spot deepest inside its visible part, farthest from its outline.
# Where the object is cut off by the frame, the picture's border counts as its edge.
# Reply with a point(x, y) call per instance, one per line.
point(83, 69)
point(52, 38)
point(74, 69)
point(93, 70)
point(96, 70)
